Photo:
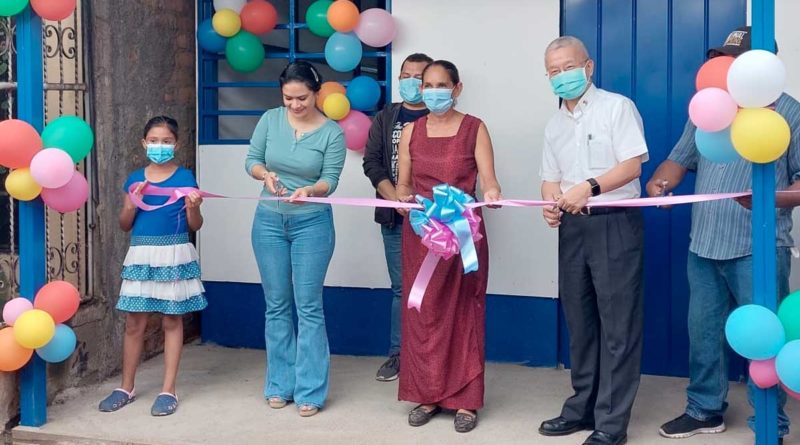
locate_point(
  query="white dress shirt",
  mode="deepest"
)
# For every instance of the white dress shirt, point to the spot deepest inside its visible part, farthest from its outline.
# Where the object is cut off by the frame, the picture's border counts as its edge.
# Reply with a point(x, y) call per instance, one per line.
point(603, 130)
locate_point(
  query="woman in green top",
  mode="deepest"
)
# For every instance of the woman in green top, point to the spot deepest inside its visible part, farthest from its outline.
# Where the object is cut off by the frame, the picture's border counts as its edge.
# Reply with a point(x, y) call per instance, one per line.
point(296, 152)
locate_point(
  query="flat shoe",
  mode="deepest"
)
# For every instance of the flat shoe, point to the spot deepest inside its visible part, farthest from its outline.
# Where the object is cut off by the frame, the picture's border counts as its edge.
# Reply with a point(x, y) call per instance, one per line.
point(465, 422)
point(164, 405)
point(420, 416)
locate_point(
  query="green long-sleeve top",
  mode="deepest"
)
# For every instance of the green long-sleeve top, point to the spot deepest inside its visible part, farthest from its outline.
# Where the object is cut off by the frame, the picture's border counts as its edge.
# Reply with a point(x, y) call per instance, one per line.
point(299, 162)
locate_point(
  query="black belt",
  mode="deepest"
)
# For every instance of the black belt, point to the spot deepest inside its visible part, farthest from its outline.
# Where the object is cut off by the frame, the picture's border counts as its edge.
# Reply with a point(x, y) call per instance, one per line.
point(591, 211)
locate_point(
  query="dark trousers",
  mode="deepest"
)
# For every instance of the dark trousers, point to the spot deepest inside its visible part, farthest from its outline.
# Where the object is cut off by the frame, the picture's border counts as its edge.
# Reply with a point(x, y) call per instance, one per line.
point(600, 285)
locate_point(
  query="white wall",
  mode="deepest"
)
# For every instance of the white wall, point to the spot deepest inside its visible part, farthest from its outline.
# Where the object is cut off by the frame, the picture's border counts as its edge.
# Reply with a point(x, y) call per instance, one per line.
point(500, 57)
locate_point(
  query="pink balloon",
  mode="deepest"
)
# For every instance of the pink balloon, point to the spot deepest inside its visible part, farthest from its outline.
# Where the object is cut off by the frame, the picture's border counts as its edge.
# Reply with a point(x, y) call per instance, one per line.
point(68, 198)
point(763, 373)
point(376, 27)
point(52, 168)
point(712, 109)
point(790, 393)
point(14, 308)
point(356, 129)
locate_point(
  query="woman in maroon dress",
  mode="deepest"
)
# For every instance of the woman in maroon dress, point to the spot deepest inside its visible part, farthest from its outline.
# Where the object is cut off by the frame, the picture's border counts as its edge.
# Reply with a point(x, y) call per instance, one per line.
point(442, 346)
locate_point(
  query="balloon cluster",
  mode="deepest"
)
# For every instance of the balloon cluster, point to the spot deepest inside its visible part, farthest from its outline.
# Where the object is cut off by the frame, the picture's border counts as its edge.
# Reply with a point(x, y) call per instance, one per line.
point(45, 165)
point(731, 108)
point(54, 10)
point(39, 326)
point(235, 29)
point(345, 28)
point(345, 105)
point(771, 341)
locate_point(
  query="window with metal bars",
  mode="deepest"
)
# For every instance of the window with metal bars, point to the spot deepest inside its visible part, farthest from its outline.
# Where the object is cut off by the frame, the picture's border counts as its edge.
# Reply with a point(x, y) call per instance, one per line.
point(229, 103)
point(66, 235)
point(8, 206)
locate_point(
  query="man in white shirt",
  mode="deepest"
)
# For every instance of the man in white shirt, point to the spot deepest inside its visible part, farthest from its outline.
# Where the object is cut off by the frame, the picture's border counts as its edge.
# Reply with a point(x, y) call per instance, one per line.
point(593, 150)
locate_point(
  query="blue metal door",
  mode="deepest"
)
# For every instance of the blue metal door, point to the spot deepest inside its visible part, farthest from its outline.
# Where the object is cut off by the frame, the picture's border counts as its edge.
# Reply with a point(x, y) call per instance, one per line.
point(649, 50)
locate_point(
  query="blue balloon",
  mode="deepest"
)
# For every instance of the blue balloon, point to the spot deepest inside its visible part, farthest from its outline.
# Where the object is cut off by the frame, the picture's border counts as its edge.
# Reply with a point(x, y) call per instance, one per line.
point(343, 51)
point(716, 146)
point(60, 347)
point(208, 39)
point(788, 365)
point(363, 93)
point(755, 332)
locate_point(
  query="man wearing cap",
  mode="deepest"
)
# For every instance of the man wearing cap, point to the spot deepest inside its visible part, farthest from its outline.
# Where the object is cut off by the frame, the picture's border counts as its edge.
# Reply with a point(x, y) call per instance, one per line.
point(720, 262)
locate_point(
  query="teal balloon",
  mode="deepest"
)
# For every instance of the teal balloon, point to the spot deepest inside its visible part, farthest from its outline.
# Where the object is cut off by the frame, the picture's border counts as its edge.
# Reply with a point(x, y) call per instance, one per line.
point(244, 52)
point(788, 365)
point(10, 8)
point(208, 39)
point(789, 314)
point(71, 134)
point(60, 347)
point(716, 146)
point(755, 332)
point(343, 52)
point(317, 18)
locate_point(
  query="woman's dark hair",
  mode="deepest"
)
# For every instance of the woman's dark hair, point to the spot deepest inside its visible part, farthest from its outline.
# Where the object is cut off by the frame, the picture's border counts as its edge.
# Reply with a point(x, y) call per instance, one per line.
point(451, 69)
point(301, 71)
point(162, 121)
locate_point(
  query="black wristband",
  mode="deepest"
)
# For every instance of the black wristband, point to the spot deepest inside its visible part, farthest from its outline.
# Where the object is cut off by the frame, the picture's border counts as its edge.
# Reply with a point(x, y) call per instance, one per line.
point(595, 186)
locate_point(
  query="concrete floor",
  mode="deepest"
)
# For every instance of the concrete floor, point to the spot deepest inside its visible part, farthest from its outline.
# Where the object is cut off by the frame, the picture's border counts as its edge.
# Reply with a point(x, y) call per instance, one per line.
point(222, 403)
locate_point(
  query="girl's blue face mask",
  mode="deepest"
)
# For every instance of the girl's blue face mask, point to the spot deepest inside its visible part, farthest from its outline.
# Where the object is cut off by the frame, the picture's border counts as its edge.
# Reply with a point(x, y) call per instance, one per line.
point(438, 100)
point(160, 153)
point(410, 91)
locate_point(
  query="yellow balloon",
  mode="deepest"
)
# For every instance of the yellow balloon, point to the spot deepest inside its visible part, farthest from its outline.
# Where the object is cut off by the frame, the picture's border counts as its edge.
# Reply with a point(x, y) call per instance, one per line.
point(34, 329)
point(336, 106)
point(20, 185)
point(760, 135)
point(226, 22)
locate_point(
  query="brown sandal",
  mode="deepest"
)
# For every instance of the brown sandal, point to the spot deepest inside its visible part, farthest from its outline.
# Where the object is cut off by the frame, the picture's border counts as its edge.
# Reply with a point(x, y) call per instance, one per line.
point(465, 422)
point(420, 416)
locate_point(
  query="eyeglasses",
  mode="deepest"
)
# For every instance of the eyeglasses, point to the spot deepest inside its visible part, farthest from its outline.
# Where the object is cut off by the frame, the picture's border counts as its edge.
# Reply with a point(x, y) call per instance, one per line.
point(569, 67)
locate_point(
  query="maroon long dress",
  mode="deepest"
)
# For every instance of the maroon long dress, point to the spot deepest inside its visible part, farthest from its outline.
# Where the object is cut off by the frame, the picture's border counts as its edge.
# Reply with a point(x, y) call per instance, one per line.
point(442, 346)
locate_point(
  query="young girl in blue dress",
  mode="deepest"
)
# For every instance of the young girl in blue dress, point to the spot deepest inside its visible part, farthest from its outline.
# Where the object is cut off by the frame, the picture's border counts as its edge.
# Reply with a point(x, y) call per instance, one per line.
point(160, 273)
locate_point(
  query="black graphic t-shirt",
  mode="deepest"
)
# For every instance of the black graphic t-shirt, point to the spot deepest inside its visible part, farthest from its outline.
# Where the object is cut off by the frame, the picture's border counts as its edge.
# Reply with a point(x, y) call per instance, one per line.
point(404, 117)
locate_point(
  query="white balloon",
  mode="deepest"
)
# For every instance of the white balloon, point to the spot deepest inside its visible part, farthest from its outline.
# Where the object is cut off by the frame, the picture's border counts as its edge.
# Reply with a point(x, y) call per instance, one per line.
point(236, 5)
point(756, 79)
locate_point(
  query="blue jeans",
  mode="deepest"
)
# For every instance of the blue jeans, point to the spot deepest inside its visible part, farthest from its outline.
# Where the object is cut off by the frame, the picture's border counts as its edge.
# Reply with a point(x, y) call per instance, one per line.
point(293, 253)
point(717, 287)
point(392, 242)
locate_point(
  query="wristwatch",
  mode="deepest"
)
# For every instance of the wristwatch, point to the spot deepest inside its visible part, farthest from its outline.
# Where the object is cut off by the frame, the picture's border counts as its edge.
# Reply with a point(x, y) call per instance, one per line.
point(595, 186)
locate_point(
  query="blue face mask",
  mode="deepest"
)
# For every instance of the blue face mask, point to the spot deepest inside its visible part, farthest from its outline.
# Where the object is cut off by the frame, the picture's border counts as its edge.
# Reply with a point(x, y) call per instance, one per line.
point(409, 90)
point(160, 153)
point(438, 100)
point(570, 84)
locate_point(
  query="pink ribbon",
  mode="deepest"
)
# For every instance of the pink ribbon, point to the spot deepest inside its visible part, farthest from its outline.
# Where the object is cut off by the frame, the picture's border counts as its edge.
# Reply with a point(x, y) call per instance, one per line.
point(438, 238)
point(441, 243)
point(176, 193)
